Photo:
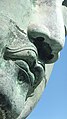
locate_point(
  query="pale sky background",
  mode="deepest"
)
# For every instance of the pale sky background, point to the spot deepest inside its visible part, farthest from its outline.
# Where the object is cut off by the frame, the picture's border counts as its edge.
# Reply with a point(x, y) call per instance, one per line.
point(53, 103)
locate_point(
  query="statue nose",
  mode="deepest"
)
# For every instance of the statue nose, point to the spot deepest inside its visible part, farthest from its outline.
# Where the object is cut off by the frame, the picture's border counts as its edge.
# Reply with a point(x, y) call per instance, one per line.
point(48, 49)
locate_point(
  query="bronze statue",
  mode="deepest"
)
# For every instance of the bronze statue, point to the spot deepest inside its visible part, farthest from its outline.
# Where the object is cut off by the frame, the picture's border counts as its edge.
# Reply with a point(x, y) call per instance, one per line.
point(32, 33)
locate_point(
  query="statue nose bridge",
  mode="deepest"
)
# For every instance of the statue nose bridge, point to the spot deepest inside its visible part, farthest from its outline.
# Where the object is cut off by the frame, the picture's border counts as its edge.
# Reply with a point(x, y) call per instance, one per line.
point(48, 48)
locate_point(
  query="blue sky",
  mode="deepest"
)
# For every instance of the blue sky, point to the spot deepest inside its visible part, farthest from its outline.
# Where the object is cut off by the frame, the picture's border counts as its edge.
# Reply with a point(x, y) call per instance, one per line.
point(53, 103)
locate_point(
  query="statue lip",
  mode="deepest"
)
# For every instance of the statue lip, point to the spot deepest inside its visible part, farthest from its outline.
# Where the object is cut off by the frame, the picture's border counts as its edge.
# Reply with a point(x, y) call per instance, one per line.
point(15, 50)
point(26, 58)
point(33, 76)
point(25, 71)
point(24, 53)
point(30, 72)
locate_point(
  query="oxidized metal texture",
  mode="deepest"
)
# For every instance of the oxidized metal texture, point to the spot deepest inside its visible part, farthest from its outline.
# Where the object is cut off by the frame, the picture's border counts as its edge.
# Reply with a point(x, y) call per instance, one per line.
point(31, 36)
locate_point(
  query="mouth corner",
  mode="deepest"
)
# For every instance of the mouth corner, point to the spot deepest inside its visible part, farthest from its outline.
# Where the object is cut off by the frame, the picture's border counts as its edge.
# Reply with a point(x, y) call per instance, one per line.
point(6, 108)
point(4, 102)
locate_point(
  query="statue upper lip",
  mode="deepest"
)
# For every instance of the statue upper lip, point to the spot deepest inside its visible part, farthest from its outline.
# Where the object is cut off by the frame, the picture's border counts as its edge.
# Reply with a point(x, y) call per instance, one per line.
point(27, 53)
point(26, 58)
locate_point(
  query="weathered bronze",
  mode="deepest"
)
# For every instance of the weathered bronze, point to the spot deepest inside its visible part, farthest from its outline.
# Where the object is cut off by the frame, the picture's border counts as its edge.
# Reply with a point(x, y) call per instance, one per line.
point(32, 34)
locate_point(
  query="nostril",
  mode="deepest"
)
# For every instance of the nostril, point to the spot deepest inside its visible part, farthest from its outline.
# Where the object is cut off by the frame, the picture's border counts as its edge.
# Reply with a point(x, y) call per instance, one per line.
point(44, 50)
point(47, 44)
point(37, 41)
point(50, 56)
point(36, 37)
point(34, 33)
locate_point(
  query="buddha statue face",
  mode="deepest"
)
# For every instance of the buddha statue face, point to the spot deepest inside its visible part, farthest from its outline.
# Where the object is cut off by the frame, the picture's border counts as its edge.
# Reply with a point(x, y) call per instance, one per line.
point(31, 37)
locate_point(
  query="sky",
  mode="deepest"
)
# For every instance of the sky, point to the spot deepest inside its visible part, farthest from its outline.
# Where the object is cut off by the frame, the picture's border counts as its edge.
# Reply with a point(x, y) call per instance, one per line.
point(53, 103)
